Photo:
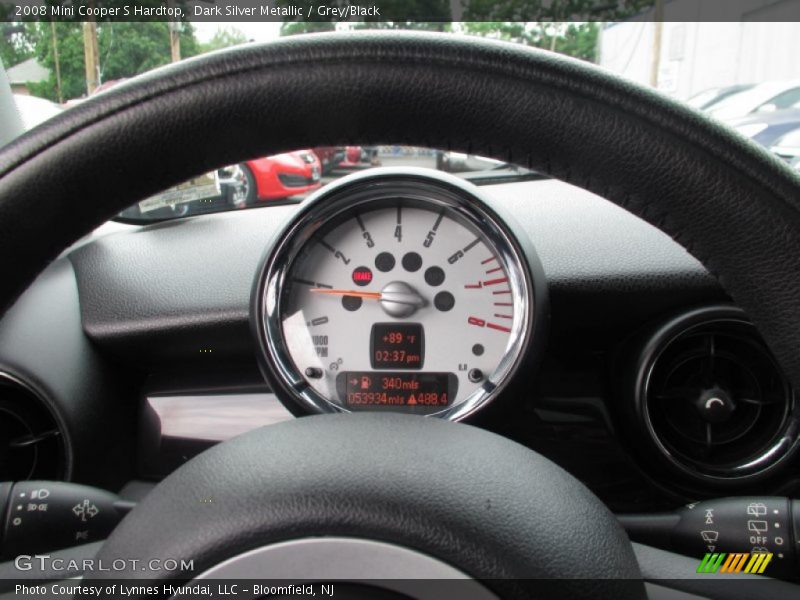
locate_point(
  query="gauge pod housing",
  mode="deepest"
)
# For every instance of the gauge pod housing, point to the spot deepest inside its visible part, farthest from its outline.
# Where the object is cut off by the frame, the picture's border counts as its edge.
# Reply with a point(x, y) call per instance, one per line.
point(398, 289)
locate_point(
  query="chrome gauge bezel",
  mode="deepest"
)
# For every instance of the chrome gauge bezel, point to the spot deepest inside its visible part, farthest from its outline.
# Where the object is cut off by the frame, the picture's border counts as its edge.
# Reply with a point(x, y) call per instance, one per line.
point(369, 188)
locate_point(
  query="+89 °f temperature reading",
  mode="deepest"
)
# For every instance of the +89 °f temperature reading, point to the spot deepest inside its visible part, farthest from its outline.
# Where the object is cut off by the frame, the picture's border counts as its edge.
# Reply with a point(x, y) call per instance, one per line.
point(398, 306)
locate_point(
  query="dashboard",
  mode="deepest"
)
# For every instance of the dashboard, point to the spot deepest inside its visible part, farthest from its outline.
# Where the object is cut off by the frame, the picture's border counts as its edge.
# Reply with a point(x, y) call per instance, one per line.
point(534, 309)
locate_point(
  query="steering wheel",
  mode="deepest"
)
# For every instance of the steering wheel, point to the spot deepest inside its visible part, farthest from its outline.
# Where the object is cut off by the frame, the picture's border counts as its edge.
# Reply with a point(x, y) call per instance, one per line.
point(434, 495)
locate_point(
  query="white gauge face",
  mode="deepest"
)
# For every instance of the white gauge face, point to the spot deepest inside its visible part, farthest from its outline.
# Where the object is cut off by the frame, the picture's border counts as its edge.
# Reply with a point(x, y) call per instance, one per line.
point(402, 305)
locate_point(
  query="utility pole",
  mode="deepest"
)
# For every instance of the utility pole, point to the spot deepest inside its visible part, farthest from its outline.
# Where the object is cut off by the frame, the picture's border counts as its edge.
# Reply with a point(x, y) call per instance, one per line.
point(90, 53)
point(598, 49)
point(57, 61)
point(174, 37)
point(658, 26)
point(175, 40)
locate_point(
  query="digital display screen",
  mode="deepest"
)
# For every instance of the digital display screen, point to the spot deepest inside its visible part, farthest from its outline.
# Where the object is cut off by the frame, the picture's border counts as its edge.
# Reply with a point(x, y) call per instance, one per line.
point(369, 389)
point(397, 346)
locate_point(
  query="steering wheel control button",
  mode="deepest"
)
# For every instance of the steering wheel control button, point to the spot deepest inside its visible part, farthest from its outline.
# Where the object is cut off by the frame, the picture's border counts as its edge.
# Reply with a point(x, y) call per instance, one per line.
point(431, 279)
point(49, 515)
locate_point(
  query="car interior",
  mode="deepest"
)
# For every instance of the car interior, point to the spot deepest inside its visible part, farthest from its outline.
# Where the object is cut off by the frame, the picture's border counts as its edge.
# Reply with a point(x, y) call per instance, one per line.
point(571, 375)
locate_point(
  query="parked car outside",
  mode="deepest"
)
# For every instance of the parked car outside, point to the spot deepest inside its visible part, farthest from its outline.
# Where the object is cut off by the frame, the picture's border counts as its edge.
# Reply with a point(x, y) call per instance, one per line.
point(769, 96)
point(712, 96)
point(329, 157)
point(280, 176)
point(352, 157)
point(788, 146)
point(767, 128)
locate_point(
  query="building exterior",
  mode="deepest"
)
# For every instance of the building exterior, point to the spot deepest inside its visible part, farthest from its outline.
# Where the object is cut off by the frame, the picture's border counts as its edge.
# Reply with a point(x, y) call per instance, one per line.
point(28, 71)
point(754, 41)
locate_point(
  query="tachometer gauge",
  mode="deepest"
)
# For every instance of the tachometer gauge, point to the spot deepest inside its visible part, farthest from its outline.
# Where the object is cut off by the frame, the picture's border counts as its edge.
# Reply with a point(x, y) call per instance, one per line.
point(396, 290)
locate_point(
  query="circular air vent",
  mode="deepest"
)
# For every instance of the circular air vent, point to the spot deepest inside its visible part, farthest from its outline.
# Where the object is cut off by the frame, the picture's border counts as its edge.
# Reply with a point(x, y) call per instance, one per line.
point(713, 399)
point(31, 444)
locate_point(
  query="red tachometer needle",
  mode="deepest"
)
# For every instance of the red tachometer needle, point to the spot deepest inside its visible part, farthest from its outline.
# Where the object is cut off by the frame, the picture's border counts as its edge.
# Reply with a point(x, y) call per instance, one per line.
point(354, 293)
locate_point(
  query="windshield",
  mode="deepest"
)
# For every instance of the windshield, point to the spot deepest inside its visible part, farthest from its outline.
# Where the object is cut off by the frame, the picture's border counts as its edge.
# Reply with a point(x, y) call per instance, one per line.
point(727, 70)
point(291, 176)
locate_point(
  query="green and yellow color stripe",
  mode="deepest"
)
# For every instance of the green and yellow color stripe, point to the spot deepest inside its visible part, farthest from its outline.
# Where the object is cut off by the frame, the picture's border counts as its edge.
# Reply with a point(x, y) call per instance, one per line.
point(735, 562)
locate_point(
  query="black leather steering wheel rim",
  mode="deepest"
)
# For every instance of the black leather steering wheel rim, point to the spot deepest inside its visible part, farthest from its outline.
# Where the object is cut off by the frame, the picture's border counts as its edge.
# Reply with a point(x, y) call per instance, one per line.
point(734, 207)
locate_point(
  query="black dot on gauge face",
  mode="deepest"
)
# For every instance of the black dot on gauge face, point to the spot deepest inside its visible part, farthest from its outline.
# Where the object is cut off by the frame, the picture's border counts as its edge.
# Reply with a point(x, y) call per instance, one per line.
point(444, 301)
point(477, 349)
point(412, 262)
point(434, 276)
point(351, 303)
point(384, 262)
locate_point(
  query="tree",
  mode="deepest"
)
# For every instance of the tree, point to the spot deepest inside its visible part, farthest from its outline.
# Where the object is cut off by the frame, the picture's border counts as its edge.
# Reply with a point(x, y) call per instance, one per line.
point(554, 10)
point(580, 41)
point(408, 25)
point(299, 27)
point(573, 39)
point(15, 45)
point(70, 53)
point(125, 49)
point(428, 15)
point(437, 12)
point(224, 37)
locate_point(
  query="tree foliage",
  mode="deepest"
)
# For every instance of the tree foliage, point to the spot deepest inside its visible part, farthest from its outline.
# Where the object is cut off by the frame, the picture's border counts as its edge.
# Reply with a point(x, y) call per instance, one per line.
point(125, 49)
point(300, 27)
point(409, 25)
point(14, 44)
point(224, 37)
point(573, 39)
point(428, 15)
point(553, 10)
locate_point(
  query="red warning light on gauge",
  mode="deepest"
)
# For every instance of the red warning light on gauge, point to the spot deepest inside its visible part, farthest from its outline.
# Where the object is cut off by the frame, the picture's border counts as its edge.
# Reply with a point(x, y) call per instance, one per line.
point(362, 276)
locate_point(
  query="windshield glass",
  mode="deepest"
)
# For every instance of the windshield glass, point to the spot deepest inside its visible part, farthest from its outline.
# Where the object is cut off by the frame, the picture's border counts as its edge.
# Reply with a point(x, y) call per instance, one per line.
point(728, 70)
point(291, 176)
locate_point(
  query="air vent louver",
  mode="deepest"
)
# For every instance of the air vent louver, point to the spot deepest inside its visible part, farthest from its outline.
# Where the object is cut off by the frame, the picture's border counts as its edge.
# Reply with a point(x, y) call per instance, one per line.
point(31, 446)
point(715, 401)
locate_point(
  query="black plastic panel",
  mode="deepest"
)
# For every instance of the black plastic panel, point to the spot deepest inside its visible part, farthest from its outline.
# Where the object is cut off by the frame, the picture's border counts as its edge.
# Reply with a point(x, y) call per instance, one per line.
point(42, 343)
point(179, 290)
